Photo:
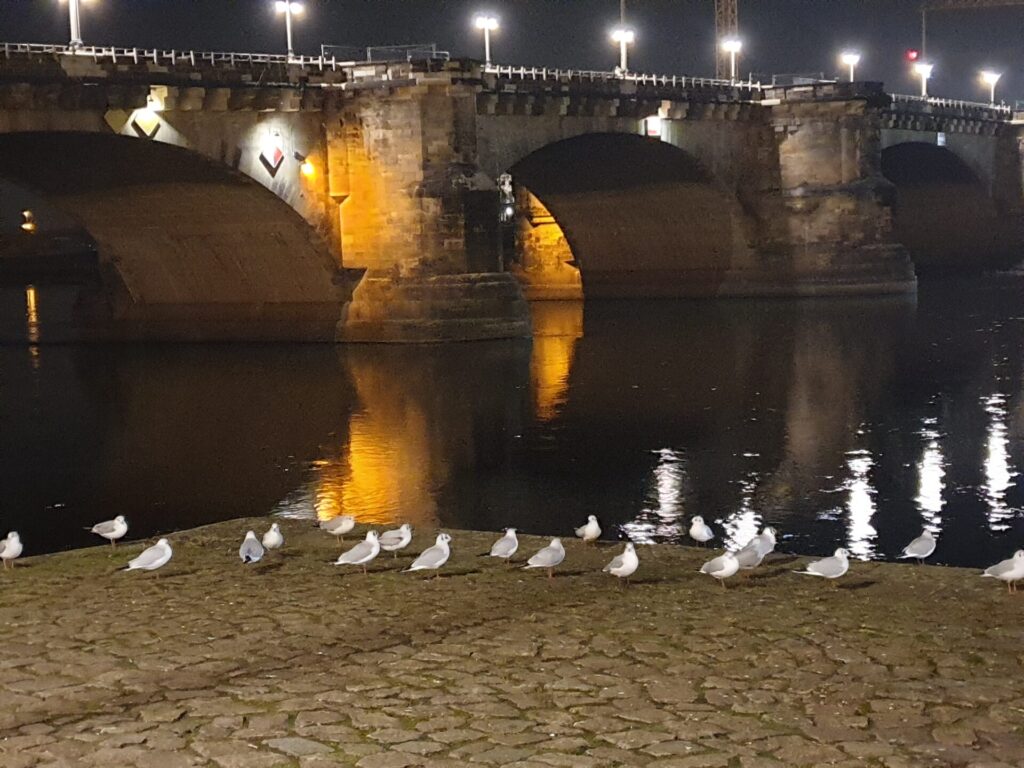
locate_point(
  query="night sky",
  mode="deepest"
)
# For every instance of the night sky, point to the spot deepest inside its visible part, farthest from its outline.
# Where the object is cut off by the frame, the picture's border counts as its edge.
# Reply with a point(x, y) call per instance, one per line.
point(674, 36)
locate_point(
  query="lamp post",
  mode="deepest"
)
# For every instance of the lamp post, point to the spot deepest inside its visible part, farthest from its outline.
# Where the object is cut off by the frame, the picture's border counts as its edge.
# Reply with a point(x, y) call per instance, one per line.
point(732, 46)
point(851, 60)
point(75, 22)
point(924, 71)
point(289, 8)
point(625, 37)
point(488, 24)
point(990, 78)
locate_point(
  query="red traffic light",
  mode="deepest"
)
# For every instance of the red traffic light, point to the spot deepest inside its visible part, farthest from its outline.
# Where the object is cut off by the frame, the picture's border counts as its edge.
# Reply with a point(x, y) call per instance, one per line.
point(913, 54)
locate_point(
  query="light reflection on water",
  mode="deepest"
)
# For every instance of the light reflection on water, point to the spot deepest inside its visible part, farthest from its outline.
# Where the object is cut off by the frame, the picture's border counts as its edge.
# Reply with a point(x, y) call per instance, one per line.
point(846, 423)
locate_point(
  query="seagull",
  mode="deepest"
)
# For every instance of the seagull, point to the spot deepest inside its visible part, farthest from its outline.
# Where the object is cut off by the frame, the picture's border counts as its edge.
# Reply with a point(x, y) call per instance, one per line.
point(10, 548)
point(504, 547)
point(251, 550)
point(392, 541)
point(433, 557)
point(362, 553)
point(152, 558)
point(273, 539)
point(338, 526)
point(624, 565)
point(721, 567)
point(111, 530)
point(830, 567)
point(757, 549)
point(921, 547)
point(1011, 571)
point(700, 532)
point(548, 557)
point(591, 531)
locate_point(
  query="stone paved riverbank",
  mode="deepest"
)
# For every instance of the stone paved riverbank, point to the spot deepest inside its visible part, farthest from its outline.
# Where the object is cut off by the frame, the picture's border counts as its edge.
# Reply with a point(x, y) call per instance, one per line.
point(294, 662)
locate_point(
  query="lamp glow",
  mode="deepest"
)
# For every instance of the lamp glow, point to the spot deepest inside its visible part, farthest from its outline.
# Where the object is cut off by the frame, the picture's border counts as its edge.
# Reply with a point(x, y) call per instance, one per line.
point(307, 169)
point(924, 71)
point(624, 37)
point(486, 23)
point(289, 8)
point(29, 222)
point(732, 46)
point(990, 78)
point(851, 59)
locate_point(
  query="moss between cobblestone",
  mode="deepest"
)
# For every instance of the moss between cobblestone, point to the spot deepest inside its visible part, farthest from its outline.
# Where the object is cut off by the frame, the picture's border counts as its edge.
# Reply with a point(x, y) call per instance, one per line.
point(902, 665)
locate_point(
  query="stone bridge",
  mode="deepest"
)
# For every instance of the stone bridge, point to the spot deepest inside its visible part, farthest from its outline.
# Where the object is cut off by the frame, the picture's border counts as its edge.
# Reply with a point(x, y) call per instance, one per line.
point(255, 197)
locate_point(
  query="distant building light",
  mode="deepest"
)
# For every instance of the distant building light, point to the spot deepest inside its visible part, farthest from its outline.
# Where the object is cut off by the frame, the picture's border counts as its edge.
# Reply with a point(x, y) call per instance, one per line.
point(29, 222)
point(912, 54)
point(652, 126)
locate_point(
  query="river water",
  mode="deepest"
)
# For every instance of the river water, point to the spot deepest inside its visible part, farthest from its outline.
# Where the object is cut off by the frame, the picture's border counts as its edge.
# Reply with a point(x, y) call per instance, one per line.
point(840, 422)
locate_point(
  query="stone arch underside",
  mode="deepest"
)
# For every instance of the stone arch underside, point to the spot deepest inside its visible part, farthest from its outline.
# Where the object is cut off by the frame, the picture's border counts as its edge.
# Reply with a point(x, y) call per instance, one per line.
point(642, 218)
point(944, 214)
point(187, 249)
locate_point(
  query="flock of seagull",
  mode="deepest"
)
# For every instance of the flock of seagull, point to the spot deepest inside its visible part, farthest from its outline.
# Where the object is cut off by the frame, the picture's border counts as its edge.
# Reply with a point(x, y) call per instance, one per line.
point(622, 566)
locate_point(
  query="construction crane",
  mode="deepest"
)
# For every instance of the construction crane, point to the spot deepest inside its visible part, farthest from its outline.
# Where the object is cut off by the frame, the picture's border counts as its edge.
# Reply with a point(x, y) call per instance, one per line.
point(727, 25)
point(930, 6)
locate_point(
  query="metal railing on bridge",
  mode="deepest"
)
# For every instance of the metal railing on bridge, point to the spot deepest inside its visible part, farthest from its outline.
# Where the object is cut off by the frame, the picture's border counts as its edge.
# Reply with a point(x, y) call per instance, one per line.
point(1002, 110)
point(595, 76)
point(385, 54)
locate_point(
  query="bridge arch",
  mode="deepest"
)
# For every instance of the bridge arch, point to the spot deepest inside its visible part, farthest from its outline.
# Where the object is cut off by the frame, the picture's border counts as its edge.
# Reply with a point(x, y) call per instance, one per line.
point(944, 212)
point(636, 216)
point(186, 247)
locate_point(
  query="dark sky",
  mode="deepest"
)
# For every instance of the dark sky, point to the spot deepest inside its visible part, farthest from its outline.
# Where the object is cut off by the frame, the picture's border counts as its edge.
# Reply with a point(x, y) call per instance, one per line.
point(675, 36)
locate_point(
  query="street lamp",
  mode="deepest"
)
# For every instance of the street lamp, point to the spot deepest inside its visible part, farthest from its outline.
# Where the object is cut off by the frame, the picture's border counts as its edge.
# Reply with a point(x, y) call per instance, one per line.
point(924, 71)
point(289, 8)
point(75, 21)
point(732, 46)
point(488, 24)
point(625, 37)
point(990, 78)
point(851, 59)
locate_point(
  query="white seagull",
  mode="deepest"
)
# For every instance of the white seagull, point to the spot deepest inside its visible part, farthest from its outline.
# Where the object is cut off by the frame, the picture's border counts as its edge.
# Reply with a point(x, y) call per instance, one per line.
point(757, 549)
point(1011, 571)
point(829, 567)
point(624, 565)
point(111, 530)
point(700, 532)
point(152, 558)
point(505, 547)
point(721, 567)
point(10, 548)
point(548, 557)
point(393, 541)
point(921, 547)
point(591, 531)
point(251, 550)
point(273, 539)
point(362, 553)
point(432, 558)
point(338, 526)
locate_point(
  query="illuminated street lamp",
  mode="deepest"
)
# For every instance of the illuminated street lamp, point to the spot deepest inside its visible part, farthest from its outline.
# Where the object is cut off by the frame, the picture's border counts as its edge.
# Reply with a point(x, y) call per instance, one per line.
point(732, 46)
point(75, 21)
point(990, 78)
point(924, 71)
point(625, 37)
point(851, 59)
point(289, 8)
point(488, 24)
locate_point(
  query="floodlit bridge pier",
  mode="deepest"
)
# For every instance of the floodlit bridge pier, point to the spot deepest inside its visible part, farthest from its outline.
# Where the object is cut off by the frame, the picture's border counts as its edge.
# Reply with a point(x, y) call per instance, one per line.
point(242, 196)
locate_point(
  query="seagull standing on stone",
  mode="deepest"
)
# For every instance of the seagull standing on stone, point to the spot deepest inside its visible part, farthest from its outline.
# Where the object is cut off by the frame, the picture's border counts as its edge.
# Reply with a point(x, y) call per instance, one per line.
point(152, 558)
point(338, 526)
point(591, 531)
point(1010, 571)
point(398, 539)
point(251, 550)
point(548, 557)
point(10, 548)
point(624, 565)
point(921, 547)
point(830, 568)
point(432, 558)
point(362, 553)
point(273, 539)
point(111, 530)
point(504, 547)
point(721, 567)
point(700, 532)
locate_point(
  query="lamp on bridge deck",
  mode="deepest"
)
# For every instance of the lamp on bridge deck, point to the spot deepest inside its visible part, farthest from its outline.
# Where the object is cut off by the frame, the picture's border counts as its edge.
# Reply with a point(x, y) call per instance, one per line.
point(75, 22)
point(625, 37)
point(924, 71)
point(488, 24)
point(990, 78)
point(851, 59)
point(289, 8)
point(732, 46)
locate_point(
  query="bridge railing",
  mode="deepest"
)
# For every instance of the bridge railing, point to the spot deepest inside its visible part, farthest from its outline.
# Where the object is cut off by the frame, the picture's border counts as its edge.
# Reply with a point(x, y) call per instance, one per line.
point(1000, 110)
point(595, 76)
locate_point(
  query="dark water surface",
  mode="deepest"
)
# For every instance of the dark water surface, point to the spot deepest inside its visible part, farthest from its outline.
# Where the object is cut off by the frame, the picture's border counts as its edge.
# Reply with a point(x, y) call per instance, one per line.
point(841, 422)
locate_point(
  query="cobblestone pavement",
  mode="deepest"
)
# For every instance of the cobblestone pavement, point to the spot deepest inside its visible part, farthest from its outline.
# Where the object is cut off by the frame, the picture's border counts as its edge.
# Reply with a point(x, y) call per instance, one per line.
point(294, 662)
